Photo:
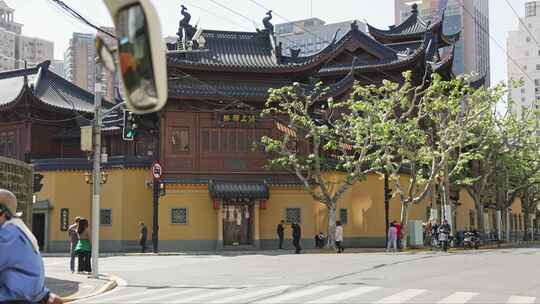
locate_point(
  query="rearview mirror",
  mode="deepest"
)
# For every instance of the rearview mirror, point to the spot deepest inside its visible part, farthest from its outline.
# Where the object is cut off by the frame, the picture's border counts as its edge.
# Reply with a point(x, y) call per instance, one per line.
point(141, 54)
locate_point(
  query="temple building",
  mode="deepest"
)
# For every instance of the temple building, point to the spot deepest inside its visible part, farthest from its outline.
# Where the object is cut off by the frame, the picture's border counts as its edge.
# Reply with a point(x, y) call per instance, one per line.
point(216, 192)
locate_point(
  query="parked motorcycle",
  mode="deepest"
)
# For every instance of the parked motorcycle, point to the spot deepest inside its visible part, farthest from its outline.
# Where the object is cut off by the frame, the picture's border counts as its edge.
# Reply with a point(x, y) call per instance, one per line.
point(471, 240)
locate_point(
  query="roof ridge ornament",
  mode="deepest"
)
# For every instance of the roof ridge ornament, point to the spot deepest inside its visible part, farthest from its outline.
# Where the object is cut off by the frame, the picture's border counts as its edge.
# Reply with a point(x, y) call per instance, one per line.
point(414, 9)
point(354, 26)
point(185, 30)
point(268, 26)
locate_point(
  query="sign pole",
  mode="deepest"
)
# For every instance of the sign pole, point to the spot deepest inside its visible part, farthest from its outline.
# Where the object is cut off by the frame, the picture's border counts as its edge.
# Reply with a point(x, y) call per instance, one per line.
point(157, 172)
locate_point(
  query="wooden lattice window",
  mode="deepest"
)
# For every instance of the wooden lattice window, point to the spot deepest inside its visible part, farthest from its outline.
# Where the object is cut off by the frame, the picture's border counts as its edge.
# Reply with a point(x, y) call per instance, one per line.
point(105, 217)
point(180, 140)
point(179, 216)
point(293, 215)
point(343, 216)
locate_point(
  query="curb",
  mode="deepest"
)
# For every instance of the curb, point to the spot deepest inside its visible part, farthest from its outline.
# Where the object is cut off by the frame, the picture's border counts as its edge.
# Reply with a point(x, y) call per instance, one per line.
point(112, 283)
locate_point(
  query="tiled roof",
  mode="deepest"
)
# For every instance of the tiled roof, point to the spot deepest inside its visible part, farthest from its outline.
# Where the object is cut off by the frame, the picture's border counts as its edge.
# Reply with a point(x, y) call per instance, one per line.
point(238, 190)
point(256, 52)
point(413, 26)
point(47, 87)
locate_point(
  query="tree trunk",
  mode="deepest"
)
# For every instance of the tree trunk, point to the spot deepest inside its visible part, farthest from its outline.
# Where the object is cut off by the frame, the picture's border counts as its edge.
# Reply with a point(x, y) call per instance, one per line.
point(480, 218)
point(331, 225)
point(526, 220)
point(404, 219)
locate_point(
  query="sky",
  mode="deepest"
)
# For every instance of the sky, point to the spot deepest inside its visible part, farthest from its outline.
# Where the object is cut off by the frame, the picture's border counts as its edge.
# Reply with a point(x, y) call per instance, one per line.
point(41, 18)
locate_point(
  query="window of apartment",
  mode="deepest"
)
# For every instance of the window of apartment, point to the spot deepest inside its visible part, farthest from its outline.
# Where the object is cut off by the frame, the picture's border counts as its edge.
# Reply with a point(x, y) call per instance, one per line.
point(537, 90)
point(537, 82)
point(528, 39)
point(529, 25)
point(180, 140)
point(525, 67)
point(179, 216)
point(293, 215)
point(343, 216)
point(522, 91)
point(530, 9)
point(105, 217)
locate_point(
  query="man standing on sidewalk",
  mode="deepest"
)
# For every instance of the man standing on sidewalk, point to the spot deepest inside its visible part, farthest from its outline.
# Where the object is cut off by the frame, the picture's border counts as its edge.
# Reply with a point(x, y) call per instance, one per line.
point(73, 237)
point(296, 235)
point(22, 274)
point(281, 233)
point(398, 231)
point(143, 236)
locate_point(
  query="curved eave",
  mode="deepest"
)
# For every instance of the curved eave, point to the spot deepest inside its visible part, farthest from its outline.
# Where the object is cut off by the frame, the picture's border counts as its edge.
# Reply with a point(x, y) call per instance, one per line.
point(395, 36)
point(15, 101)
point(417, 55)
point(305, 65)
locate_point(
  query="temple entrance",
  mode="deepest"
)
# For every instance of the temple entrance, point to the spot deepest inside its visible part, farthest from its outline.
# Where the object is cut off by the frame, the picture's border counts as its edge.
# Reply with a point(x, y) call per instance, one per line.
point(237, 224)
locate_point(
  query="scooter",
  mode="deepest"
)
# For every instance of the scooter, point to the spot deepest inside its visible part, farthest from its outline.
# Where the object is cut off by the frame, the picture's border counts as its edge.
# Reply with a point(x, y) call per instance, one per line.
point(444, 239)
point(471, 240)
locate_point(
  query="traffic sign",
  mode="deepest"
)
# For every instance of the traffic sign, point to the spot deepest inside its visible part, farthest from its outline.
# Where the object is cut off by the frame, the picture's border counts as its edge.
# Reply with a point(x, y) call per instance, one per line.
point(157, 170)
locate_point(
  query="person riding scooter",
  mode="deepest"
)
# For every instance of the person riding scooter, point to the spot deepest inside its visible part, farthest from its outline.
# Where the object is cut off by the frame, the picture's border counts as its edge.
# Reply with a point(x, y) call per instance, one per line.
point(444, 235)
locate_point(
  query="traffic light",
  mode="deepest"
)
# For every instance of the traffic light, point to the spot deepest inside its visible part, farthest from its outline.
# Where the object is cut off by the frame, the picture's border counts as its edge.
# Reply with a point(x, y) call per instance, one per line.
point(129, 126)
point(37, 182)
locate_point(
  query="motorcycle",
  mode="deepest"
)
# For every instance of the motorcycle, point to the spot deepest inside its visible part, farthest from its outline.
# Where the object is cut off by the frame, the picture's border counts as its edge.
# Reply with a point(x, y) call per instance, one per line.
point(471, 240)
point(444, 239)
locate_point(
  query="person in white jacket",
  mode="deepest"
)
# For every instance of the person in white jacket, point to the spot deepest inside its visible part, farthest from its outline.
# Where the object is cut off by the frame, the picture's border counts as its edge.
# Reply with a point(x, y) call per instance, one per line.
point(339, 237)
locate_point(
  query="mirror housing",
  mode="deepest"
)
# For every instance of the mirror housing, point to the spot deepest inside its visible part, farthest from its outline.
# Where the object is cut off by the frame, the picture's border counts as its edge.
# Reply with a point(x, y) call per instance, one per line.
point(141, 54)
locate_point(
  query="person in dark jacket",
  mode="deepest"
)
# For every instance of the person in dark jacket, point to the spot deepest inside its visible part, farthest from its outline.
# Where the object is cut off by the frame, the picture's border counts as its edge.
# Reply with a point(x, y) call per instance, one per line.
point(281, 233)
point(22, 274)
point(296, 235)
point(143, 236)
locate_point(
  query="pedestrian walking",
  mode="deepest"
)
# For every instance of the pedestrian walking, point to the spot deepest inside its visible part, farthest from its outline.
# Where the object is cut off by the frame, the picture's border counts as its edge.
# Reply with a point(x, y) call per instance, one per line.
point(339, 237)
point(73, 238)
point(22, 274)
point(84, 248)
point(296, 235)
point(143, 236)
point(392, 238)
point(398, 240)
point(281, 233)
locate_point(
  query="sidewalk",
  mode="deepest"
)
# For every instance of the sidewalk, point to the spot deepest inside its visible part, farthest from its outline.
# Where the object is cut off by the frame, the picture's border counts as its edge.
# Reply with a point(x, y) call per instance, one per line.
point(72, 287)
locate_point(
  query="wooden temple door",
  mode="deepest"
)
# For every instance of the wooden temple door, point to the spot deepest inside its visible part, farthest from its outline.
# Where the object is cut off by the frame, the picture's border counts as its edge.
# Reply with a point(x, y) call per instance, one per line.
point(237, 224)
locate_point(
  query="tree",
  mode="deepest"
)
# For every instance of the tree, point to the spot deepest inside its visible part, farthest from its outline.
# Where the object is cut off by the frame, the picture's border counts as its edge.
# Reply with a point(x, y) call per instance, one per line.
point(322, 136)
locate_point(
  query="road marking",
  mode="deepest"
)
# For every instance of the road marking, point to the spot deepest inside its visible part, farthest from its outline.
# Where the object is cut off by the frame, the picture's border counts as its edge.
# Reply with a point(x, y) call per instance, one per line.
point(164, 296)
point(146, 292)
point(249, 295)
point(401, 297)
point(458, 298)
point(345, 295)
point(206, 295)
point(297, 294)
point(520, 300)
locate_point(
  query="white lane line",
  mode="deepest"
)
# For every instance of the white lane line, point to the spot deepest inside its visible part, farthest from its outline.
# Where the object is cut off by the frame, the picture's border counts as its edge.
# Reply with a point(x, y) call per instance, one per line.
point(205, 295)
point(249, 295)
point(297, 294)
point(520, 300)
point(458, 298)
point(345, 295)
point(165, 296)
point(144, 293)
point(401, 297)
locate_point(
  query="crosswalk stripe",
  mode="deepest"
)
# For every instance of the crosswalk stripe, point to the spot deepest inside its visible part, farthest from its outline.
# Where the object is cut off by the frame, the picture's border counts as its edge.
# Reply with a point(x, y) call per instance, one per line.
point(298, 294)
point(345, 295)
point(164, 296)
point(458, 298)
point(235, 299)
point(520, 300)
point(205, 295)
point(146, 292)
point(401, 297)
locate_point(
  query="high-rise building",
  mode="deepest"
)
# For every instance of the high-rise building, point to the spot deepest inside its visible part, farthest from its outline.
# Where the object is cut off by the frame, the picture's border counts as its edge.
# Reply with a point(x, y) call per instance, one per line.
point(524, 49)
point(311, 35)
point(79, 60)
point(472, 51)
point(17, 50)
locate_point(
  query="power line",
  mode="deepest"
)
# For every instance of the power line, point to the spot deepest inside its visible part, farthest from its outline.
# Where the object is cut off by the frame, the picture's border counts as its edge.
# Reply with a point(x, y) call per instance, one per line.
point(493, 39)
point(522, 23)
point(214, 14)
point(80, 18)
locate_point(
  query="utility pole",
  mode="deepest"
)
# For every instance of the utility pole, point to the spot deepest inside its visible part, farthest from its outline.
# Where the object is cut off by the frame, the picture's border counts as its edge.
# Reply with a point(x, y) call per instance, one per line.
point(96, 172)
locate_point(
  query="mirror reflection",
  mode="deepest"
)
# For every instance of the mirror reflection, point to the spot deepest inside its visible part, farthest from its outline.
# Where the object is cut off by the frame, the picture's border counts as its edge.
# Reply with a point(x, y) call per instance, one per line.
point(135, 57)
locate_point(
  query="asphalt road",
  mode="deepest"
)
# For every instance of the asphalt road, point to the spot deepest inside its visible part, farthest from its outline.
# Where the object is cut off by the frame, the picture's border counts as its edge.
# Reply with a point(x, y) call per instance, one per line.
point(485, 276)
